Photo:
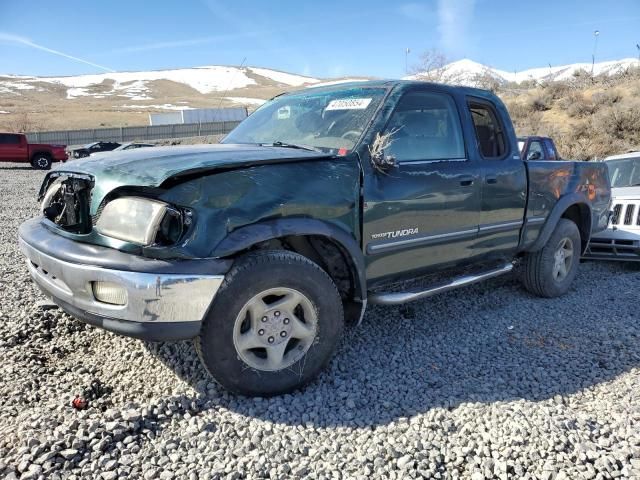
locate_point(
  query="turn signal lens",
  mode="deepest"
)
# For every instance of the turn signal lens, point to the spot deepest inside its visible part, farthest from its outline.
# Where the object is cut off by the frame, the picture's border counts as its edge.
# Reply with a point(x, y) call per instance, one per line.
point(109, 292)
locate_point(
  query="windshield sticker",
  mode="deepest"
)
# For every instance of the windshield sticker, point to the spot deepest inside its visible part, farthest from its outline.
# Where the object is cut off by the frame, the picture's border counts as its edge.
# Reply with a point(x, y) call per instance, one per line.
point(349, 104)
point(284, 112)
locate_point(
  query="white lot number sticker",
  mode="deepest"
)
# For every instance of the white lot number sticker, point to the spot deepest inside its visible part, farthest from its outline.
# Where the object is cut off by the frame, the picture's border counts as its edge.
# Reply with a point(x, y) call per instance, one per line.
point(348, 104)
point(284, 112)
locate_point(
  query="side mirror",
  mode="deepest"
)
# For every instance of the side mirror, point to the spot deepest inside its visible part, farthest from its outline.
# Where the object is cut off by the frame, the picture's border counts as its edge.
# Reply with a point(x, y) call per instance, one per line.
point(379, 158)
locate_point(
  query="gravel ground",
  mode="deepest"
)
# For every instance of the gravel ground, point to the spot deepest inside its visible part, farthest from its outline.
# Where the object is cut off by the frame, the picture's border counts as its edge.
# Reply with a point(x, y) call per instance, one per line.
point(486, 382)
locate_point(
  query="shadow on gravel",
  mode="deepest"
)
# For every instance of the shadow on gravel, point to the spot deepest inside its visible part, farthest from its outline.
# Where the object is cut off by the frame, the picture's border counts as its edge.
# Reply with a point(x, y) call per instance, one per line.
point(492, 342)
point(16, 168)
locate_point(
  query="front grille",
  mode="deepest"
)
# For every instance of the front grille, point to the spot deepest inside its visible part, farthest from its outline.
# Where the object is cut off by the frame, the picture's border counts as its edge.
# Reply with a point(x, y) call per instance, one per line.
point(626, 213)
point(628, 216)
point(616, 214)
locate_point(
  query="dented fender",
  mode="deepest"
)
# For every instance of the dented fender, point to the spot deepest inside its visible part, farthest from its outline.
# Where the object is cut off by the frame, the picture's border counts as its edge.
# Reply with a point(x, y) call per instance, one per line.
point(225, 202)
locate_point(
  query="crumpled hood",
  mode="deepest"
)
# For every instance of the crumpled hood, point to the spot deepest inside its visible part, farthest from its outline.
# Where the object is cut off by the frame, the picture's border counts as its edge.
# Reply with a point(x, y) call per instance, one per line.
point(151, 167)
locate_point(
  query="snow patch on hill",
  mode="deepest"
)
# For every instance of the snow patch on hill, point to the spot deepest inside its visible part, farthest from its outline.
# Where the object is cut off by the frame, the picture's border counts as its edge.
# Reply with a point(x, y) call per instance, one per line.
point(166, 106)
point(467, 72)
point(136, 85)
point(247, 100)
point(282, 77)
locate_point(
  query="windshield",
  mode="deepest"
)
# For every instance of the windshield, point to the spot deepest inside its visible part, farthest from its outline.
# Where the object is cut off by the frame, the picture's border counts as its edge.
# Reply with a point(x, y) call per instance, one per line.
point(624, 172)
point(331, 120)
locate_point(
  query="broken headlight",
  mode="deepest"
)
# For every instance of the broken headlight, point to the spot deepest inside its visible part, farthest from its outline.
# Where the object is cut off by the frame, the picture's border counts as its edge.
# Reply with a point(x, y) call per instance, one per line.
point(142, 221)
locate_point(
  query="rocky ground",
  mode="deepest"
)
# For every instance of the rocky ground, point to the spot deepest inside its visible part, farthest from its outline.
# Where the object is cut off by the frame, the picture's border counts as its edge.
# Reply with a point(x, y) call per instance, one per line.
point(486, 382)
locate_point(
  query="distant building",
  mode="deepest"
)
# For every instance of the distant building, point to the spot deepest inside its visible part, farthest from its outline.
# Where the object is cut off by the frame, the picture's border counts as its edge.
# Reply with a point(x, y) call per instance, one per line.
point(199, 115)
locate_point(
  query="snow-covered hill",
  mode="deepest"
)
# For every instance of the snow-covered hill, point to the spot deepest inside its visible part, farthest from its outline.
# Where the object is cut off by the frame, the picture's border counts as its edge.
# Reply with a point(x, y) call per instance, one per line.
point(467, 71)
point(138, 85)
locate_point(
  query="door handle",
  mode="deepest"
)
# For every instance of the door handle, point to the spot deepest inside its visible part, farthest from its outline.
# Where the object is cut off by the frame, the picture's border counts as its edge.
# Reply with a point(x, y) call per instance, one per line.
point(466, 181)
point(491, 180)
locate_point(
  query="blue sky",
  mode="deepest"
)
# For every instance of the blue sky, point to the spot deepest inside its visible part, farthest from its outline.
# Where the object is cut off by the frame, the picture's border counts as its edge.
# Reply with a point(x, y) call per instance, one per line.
point(321, 38)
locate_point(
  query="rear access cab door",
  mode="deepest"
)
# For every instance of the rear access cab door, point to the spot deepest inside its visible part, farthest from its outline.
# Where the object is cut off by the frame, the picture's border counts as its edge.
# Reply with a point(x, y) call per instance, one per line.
point(503, 176)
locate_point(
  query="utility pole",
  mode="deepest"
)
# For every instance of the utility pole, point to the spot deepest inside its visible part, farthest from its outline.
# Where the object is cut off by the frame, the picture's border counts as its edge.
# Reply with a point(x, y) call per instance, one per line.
point(638, 48)
point(596, 34)
point(407, 51)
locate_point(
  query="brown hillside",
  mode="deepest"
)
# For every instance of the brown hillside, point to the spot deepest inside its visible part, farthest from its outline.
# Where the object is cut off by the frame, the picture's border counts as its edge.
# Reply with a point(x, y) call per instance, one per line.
point(588, 117)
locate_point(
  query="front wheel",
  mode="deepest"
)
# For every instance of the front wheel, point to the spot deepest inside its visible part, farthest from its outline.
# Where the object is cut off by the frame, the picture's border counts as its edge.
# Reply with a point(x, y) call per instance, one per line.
point(550, 271)
point(274, 324)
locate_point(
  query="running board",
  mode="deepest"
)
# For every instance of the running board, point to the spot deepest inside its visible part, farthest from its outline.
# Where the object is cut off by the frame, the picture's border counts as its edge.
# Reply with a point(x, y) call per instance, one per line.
point(395, 298)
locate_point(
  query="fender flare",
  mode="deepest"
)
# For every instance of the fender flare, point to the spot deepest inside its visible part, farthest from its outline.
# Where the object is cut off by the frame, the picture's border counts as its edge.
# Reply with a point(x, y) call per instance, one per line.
point(40, 152)
point(244, 237)
point(563, 204)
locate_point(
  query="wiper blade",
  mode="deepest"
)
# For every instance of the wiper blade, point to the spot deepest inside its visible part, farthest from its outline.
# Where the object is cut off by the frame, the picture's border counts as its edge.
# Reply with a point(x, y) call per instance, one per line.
point(291, 145)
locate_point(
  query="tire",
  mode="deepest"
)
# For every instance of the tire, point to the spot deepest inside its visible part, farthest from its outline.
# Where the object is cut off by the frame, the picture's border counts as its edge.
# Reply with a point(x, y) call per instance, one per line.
point(543, 273)
point(41, 161)
point(242, 340)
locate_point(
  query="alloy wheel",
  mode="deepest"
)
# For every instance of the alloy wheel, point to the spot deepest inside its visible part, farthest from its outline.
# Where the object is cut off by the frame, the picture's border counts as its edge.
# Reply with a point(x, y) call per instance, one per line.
point(275, 329)
point(563, 259)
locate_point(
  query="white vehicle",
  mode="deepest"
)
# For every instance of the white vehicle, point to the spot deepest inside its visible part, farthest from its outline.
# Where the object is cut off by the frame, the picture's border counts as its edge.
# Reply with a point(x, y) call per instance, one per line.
point(621, 240)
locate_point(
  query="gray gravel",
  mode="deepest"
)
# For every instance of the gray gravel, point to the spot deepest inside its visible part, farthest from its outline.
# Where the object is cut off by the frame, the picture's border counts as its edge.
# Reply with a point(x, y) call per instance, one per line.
point(486, 382)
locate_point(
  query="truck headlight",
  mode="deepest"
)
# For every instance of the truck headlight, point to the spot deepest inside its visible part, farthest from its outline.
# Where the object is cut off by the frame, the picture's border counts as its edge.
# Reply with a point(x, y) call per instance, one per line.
point(132, 219)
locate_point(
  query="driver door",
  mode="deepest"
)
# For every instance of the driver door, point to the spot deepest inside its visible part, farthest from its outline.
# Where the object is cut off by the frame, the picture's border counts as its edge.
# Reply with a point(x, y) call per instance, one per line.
point(423, 213)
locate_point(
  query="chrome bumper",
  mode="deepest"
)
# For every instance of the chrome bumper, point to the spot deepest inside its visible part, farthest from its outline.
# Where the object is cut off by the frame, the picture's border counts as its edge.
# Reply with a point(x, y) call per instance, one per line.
point(151, 298)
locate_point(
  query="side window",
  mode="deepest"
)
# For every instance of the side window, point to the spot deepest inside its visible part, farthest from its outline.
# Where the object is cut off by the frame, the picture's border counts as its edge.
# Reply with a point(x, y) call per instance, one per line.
point(489, 131)
point(9, 139)
point(535, 151)
point(425, 126)
point(551, 151)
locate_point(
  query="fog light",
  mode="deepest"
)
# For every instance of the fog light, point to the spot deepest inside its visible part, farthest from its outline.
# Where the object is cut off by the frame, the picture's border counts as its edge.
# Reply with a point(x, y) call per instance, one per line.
point(109, 292)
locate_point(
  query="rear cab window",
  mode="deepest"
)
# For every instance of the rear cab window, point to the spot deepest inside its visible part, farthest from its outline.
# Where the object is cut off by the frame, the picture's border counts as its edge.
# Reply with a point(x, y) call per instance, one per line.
point(490, 136)
point(535, 151)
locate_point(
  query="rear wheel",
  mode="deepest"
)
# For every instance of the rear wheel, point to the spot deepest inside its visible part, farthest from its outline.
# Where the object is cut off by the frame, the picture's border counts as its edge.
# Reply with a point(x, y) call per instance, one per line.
point(550, 271)
point(273, 326)
point(41, 161)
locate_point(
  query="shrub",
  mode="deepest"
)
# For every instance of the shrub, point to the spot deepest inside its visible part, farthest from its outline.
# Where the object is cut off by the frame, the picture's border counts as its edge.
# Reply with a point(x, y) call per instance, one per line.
point(517, 110)
point(578, 106)
point(621, 122)
point(606, 98)
point(557, 89)
point(539, 103)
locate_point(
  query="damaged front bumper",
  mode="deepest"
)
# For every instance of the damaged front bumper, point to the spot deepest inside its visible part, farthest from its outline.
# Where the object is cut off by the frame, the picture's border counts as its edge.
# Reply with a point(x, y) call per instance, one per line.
point(154, 300)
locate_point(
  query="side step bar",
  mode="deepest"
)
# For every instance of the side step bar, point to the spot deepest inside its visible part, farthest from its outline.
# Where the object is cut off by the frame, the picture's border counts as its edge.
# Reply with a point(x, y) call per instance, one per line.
point(395, 298)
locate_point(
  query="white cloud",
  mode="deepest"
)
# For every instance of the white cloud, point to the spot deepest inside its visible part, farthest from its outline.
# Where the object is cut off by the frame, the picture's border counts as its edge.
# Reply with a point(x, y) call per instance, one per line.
point(452, 18)
point(454, 21)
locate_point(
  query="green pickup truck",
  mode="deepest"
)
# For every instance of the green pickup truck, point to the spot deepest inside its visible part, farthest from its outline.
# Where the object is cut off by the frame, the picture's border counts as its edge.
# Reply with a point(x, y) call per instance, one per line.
point(261, 247)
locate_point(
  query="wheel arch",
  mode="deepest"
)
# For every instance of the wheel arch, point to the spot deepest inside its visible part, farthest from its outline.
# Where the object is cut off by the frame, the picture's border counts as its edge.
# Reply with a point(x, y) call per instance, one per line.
point(40, 152)
point(574, 207)
point(299, 234)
